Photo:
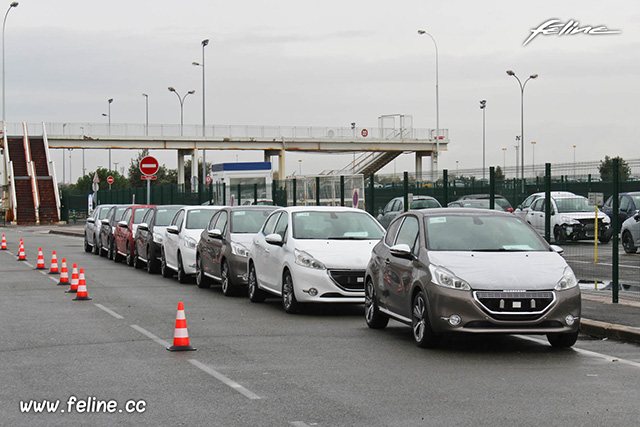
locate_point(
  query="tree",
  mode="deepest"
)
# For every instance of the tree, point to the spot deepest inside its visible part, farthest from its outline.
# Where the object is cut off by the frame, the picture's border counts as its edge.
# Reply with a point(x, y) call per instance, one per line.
point(606, 169)
point(498, 173)
point(84, 183)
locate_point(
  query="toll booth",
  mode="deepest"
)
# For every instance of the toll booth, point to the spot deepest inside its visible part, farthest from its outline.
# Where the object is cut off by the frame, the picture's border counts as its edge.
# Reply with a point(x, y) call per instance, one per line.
point(242, 183)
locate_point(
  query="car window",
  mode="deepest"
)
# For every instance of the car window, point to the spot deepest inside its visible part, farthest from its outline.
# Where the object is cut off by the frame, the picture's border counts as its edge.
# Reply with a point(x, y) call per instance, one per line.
point(148, 216)
point(483, 233)
point(248, 221)
point(573, 204)
point(389, 206)
point(281, 226)
point(408, 233)
point(126, 216)
point(102, 214)
point(397, 205)
point(165, 215)
point(221, 222)
point(270, 224)
point(177, 220)
point(625, 203)
point(198, 218)
point(527, 202)
point(339, 225)
point(609, 202)
point(424, 204)
point(139, 214)
point(214, 218)
point(636, 201)
point(537, 205)
point(391, 232)
point(119, 212)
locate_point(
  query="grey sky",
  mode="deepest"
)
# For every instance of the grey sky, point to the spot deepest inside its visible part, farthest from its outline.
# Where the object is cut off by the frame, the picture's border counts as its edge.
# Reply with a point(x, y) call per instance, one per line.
point(330, 63)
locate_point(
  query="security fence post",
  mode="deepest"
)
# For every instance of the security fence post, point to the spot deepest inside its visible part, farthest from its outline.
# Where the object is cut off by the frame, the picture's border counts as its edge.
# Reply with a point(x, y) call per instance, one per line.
point(317, 191)
point(547, 202)
point(295, 194)
point(492, 187)
point(224, 194)
point(445, 187)
point(371, 203)
point(614, 226)
point(255, 194)
point(341, 190)
point(239, 194)
point(406, 191)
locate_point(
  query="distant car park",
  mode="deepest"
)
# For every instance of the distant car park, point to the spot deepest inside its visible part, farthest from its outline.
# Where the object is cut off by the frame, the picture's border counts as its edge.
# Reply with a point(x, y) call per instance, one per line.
point(500, 200)
point(630, 234)
point(396, 206)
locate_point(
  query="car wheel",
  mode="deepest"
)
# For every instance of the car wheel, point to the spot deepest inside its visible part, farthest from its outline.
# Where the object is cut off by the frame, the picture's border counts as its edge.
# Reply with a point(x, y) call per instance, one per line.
point(201, 280)
point(152, 262)
point(182, 276)
point(110, 250)
point(116, 256)
point(87, 246)
point(228, 288)
point(627, 243)
point(375, 319)
point(289, 302)
point(137, 262)
point(422, 332)
point(563, 340)
point(164, 268)
point(253, 291)
point(129, 256)
point(558, 235)
point(97, 250)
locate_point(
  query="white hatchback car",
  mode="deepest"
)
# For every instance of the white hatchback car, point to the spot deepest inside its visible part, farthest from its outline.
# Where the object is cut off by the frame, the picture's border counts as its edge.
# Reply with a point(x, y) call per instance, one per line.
point(631, 234)
point(181, 239)
point(312, 254)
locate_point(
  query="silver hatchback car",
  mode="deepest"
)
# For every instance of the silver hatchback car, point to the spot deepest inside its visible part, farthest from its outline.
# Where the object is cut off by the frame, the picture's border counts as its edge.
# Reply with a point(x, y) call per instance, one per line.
point(470, 270)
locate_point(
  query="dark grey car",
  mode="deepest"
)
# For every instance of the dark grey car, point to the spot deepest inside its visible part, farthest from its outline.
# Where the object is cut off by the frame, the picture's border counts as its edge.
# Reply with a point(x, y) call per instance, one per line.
point(396, 206)
point(147, 245)
point(476, 271)
point(224, 246)
point(107, 227)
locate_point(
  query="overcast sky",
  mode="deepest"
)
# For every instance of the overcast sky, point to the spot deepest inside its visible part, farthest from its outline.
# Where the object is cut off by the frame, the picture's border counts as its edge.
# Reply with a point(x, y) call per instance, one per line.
point(330, 63)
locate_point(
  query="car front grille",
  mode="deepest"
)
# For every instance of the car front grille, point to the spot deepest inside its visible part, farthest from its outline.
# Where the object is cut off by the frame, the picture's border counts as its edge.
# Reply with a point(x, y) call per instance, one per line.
point(349, 280)
point(515, 306)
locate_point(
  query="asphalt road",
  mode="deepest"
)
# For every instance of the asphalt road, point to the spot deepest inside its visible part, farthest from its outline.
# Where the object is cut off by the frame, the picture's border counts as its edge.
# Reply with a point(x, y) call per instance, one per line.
point(257, 366)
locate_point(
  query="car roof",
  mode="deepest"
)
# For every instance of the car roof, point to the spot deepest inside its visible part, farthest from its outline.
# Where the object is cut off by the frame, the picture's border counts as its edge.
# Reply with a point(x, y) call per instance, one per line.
point(200, 207)
point(462, 211)
point(250, 207)
point(320, 209)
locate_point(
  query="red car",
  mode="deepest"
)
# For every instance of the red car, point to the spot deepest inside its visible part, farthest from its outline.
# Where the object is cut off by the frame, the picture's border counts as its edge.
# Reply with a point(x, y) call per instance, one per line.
point(126, 231)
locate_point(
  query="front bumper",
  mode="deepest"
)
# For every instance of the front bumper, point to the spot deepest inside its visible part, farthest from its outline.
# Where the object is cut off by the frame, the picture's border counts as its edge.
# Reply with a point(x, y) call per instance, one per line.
point(582, 231)
point(326, 288)
point(530, 312)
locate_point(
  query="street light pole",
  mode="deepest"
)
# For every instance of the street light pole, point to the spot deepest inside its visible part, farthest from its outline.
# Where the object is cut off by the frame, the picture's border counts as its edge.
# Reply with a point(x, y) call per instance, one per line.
point(146, 101)
point(574, 162)
point(108, 115)
point(504, 161)
point(483, 105)
point(4, 23)
point(181, 99)
point(434, 168)
point(533, 158)
point(204, 43)
point(522, 86)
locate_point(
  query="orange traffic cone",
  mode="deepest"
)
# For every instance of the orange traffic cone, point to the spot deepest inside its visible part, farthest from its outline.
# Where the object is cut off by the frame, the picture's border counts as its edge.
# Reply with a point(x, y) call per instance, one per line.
point(181, 335)
point(40, 264)
point(73, 287)
point(3, 247)
point(54, 264)
point(64, 274)
point(21, 254)
point(82, 294)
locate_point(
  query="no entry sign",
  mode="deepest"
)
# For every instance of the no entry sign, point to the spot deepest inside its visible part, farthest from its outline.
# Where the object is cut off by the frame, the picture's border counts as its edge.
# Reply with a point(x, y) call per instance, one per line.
point(109, 180)
point(149, 165)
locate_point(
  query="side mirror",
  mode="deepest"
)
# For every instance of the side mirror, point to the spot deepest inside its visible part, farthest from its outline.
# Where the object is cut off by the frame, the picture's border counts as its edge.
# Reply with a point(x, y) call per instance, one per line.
point(105, 222)
point(172, 229)
point(123, 224)
point(401, 251)
point(557, 249)
point(215, 234)
point(91, 220)
point(274, 239)
point(637, 216)
point(143, 226)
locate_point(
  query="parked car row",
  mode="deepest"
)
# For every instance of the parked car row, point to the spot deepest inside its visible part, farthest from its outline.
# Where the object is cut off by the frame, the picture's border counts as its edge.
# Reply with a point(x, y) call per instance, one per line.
point(439, 270)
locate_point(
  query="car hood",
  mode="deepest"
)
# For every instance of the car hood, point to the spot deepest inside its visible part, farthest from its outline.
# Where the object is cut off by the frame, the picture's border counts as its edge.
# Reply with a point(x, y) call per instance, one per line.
point(245, 239)
point(347, 254)
point(582, 215)
point(503, 270)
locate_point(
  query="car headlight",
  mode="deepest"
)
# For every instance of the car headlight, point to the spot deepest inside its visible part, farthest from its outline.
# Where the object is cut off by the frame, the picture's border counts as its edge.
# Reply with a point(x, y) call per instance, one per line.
point(190, 242)
point(443, 277)
point(307, 260)
point(238, 249)
point(157, 237)
point(567, 281)
point(569, 220)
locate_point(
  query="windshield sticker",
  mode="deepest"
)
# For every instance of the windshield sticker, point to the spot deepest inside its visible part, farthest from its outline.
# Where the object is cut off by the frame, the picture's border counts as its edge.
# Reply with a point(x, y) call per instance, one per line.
point(356, 234)
point(438, 220)
point(239, 213)
point(302, 214)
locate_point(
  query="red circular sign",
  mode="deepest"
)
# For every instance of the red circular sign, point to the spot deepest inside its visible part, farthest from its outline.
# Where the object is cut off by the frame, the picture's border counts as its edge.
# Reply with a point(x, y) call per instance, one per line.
point(149, 165)
point(364, 133)
point(110, 179)
point(208, 179)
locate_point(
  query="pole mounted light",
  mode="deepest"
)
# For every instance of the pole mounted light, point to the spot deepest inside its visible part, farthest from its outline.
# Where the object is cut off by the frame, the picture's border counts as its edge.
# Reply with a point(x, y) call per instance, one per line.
point(4, 23)
point(146, 100)
point(181, 99)
point(483, 105)
point(435, 163)
point(204, 43)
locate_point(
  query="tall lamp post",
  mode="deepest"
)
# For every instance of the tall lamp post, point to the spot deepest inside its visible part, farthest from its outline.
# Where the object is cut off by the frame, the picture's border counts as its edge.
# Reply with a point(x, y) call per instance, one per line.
point(204, 43)
point(435, 163)
point(533, 158)
point(483, 105)
point(108, 115)
point(504, 161)
point(574, 162)
point(181, 99)
point(522, 86)
point(146, 102)
point(4, 23)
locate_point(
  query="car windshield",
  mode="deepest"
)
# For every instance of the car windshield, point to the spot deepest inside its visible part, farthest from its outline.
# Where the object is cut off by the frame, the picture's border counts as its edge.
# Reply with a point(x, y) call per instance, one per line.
point(573, 204)
point(119, 213)
point(165, 215)
point(103, 213)
point(484, 233)
point(199, 218)
point(248, 221)
point(338, 225)
point(504, 204)
point(139, 214)
point(424, 204)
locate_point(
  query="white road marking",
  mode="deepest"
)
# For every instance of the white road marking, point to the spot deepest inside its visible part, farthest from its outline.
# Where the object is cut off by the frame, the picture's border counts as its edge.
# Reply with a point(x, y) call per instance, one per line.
point(150, 335)
point(299, 424)
point(587, 352)
point(111, 312)
point(217, 375)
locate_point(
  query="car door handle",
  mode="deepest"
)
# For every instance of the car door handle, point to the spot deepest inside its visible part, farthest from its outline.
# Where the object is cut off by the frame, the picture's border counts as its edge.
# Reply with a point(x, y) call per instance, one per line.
point(387, 261)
